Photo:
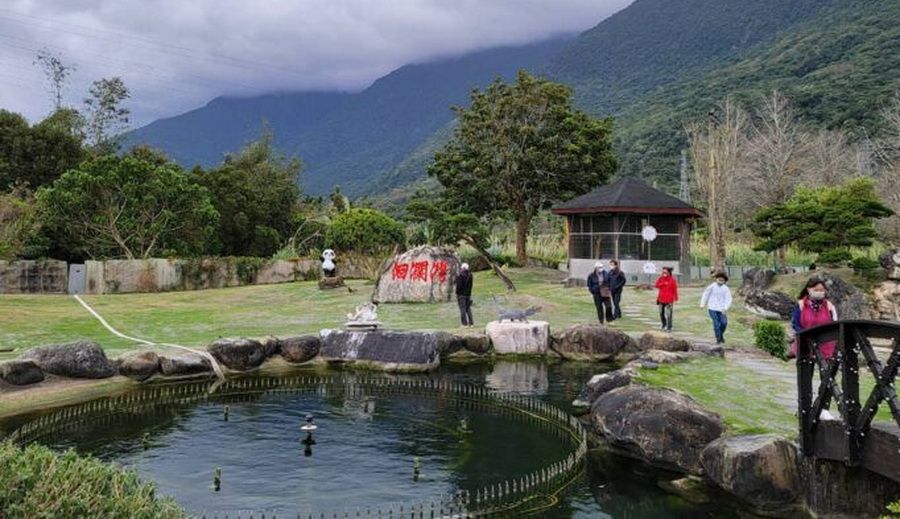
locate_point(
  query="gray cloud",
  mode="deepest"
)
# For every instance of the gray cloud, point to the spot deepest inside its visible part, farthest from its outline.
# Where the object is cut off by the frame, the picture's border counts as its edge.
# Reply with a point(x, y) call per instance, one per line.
point(177, 54)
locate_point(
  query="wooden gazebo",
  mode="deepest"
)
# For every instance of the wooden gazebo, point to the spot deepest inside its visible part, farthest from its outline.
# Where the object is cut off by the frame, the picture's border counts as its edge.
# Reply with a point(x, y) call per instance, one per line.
point(630, 221)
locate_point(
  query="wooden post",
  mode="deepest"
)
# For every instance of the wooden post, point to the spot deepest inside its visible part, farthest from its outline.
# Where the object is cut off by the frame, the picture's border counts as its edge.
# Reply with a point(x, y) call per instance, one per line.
point(847, 346)
point(805, 370)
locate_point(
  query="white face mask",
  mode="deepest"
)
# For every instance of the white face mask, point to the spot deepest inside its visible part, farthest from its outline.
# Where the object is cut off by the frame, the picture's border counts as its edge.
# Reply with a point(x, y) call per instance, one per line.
point(720, 282)
point(816, 295)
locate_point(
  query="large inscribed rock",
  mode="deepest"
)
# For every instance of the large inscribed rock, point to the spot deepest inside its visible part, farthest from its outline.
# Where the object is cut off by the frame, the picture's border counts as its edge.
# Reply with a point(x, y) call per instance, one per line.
point(421, 275)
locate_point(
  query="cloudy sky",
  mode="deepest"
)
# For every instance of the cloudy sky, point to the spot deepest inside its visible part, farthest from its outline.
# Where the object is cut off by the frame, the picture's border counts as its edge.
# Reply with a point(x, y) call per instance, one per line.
point(175, 55)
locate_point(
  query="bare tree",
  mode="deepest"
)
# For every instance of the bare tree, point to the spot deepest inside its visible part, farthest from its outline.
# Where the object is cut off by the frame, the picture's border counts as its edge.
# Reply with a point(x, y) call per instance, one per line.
point(774, 151)
point(716, 150)
point(106, 116)
point(887, 153)
point(57, 74)
point(829, 159)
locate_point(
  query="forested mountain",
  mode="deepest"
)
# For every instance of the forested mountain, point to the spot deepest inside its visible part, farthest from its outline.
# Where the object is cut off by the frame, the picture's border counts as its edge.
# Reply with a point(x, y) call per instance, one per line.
point(653, 66)
point(351, 140)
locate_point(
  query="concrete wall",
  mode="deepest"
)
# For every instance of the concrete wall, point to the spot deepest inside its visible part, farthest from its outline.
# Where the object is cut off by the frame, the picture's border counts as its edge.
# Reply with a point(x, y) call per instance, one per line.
point(163, 275)
point(33, 277)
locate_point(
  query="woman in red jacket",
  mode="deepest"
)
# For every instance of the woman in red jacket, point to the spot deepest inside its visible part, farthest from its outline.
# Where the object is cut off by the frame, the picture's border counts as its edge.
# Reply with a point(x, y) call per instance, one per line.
point(666, 296)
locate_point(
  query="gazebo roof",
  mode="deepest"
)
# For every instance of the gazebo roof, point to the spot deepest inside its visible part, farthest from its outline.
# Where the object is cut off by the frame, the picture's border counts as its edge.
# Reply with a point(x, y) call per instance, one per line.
point(626, 195)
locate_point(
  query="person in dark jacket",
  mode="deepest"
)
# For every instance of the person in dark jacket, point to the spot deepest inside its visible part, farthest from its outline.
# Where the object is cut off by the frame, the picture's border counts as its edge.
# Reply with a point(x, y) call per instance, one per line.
point(598, 286)
point(616, 285)
point(464, 295)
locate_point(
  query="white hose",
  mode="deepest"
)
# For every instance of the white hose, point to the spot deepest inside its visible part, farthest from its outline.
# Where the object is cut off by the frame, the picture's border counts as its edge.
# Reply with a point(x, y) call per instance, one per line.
point(205, 354)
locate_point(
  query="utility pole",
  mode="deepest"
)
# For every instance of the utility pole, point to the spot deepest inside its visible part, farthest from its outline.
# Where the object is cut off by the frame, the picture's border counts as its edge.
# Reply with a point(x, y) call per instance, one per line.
point(685, 185)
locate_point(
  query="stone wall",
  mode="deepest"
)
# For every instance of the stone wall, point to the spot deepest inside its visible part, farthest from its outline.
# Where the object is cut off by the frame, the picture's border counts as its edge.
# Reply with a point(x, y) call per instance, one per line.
point(163, 275)
point(33, 277)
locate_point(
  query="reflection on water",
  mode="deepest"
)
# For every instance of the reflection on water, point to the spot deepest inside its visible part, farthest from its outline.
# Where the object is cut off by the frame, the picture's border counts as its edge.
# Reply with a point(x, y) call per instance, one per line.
point(365, 449)
point(529, 378)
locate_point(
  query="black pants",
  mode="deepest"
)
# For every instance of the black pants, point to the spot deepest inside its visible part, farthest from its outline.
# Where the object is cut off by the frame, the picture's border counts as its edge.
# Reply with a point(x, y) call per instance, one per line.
point(604, 308)
point(465, 310)
point(665, 315)
point(616, 300)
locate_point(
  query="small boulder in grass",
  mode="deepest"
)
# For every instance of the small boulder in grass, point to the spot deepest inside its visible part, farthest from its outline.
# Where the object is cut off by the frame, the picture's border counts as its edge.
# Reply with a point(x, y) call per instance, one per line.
point(298, 350)
point(241, 354)
point(81, 359)
point(140, 365)
point(21, 372)
point(655, 340)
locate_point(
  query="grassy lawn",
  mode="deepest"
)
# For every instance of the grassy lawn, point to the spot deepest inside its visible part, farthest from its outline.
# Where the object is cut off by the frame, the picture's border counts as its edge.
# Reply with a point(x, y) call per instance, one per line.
point(745, 398)
point(196, 318)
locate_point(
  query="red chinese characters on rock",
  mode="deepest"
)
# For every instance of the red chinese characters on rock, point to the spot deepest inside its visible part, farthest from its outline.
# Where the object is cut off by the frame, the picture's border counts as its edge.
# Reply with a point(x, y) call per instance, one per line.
point(439, 271)
point(400, 271)
point(419, 271)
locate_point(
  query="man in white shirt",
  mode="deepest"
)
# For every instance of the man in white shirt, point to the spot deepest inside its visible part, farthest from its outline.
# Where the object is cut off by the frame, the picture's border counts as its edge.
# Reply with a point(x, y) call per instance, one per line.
point(717, 298)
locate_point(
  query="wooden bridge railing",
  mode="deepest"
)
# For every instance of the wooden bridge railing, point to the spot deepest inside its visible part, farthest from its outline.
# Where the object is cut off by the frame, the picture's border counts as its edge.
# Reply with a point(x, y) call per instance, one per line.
point(852, 438)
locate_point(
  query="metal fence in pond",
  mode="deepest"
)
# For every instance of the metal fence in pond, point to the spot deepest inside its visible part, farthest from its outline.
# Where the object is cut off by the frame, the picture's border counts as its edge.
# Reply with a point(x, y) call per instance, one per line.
point(528, 493)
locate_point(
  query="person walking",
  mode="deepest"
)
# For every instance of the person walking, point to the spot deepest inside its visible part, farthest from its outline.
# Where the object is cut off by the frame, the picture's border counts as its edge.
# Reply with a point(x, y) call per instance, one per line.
point(717, 298)
point(464, 295)
point(666, 297)
point(813, 308)
point(598, 286)
point(616, 285)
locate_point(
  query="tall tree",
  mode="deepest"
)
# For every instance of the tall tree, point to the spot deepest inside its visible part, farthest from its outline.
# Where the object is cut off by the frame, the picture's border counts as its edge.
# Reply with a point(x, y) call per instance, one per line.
point(715, 149)
point(35, 155)
point(520, 147)
point(106, 116)
point(57, 73)
point(887, 150)
point(257, 195)
point(128, 207)
point(19, 222)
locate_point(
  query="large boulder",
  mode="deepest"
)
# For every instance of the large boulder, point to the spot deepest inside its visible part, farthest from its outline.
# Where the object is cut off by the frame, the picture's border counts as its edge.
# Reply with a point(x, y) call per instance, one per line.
point(451, 344)
point(886, 298)
point(601, 384)
point(761, 469)
point(655, 340)
point(139, 366)
point(298, 350)
point(890, 262)
point(770, 305)
point(76, 360)
point(187, 364)
point(593, 342)
point(21, 372)
point(756, 279)
point(383, 349)
point(522, 338)
point(241, 354)
point(851, 302)
point(421, 275)
point(661, 426)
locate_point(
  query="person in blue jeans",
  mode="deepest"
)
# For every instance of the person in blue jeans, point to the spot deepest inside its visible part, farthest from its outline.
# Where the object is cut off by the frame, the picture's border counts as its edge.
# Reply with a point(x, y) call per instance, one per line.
point(717, 298)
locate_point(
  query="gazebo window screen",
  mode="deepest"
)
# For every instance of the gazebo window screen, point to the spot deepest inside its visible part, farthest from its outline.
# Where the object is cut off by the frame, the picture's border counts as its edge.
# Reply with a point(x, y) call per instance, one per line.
point(595, 237)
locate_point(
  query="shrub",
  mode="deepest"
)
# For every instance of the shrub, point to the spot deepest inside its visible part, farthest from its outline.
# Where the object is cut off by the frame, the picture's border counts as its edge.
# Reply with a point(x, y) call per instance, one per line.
point(834, 257)
point(364, 230)
point(865, 267)
point(893, 509)
point(36, 482)
point(771, 337)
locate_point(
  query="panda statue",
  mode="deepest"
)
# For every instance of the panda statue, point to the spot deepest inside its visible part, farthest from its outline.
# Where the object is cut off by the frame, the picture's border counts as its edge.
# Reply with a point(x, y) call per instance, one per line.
point(328, 266)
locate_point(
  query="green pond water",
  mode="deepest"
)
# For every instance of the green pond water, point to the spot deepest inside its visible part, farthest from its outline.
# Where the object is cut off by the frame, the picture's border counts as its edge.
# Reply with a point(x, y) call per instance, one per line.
point(365, 448)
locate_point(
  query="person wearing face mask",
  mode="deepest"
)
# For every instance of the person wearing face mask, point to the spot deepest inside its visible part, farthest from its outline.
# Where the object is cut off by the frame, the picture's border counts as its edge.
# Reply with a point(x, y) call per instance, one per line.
point(598, 286)
point(717, 298)
point(813, 309)
point(617, 283)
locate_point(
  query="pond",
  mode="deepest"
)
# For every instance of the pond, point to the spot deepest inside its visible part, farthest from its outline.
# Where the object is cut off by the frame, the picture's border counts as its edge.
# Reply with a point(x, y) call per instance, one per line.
point(370, 438)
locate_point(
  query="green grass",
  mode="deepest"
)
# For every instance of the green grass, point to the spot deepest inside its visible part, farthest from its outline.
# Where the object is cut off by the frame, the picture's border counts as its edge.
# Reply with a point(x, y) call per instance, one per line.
point(743, 397)
point(198, 317)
